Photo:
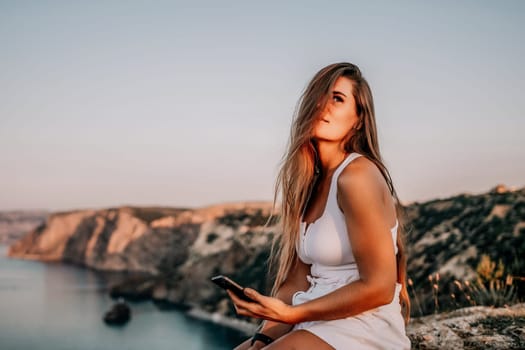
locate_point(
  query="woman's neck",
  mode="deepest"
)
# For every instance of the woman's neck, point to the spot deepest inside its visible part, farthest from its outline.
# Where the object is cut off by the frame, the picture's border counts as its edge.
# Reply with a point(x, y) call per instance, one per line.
point(330, 155)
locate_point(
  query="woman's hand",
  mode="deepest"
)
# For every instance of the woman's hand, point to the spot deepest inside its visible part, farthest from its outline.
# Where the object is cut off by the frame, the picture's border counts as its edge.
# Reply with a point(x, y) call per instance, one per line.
point(264, 307)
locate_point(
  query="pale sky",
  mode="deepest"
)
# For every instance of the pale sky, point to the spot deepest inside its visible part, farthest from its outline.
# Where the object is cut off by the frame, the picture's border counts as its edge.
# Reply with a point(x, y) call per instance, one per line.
point(108, 103)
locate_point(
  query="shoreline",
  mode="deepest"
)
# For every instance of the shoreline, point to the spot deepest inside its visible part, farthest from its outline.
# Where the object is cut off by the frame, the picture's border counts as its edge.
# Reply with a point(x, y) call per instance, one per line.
point(243, 326)
point(196, 312)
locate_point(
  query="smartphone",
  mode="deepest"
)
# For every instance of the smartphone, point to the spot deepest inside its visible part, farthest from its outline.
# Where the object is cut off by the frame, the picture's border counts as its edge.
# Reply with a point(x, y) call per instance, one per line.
point(226, 283)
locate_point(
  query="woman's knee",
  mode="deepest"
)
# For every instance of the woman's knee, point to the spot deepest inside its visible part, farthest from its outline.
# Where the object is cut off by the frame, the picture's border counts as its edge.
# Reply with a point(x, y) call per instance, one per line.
point(244, 346)
point(299, 340)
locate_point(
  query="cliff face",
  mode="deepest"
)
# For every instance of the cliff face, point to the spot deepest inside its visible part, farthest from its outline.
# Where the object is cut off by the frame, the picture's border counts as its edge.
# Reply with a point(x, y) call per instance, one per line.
point(448, 236)
point(182, 248)
point(97, 239)
point(15, 224)
point(476, 327)
point(159, 241)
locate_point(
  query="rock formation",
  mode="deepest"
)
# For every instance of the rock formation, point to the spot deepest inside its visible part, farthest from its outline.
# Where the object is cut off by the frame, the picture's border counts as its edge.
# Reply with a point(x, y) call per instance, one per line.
point(177, 250)
point(15, 224)
point(476, 327)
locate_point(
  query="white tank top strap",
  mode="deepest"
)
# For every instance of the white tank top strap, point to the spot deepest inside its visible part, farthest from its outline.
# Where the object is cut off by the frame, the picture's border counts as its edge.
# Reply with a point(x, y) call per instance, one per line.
point(333, 193)
point(331, 203)
point(344, 163)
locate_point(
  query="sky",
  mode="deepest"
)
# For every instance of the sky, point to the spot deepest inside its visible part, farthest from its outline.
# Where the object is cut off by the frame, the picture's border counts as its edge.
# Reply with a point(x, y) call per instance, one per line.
point(189, 104)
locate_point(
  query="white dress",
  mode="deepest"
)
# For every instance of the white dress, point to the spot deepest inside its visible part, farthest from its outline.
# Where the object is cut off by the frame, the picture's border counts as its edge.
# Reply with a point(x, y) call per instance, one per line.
point(327, 248)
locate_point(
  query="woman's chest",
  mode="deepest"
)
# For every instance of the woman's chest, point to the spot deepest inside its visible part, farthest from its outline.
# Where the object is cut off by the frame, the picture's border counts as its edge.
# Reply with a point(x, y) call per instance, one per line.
point(325, 242)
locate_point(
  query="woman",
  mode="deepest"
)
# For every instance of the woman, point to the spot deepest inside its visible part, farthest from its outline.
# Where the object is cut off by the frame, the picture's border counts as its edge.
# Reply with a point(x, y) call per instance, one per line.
point(341, 272)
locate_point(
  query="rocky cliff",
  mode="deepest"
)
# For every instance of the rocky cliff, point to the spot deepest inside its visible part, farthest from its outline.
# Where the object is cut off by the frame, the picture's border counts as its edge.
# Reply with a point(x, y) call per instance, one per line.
point(447, 237)
point(179, 249)
point(476, 327)
point(15, 224)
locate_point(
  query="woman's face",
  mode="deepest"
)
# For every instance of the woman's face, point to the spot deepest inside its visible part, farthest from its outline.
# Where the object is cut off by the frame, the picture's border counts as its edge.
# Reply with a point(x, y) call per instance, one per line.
point(339, 115)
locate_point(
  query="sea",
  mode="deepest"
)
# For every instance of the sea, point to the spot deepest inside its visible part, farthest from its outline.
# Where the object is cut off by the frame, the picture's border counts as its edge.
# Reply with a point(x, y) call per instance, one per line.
point(54, 306)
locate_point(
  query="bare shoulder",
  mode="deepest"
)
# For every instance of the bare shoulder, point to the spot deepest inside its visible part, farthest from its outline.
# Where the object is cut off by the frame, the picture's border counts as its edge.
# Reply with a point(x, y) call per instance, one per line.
point(361, 175)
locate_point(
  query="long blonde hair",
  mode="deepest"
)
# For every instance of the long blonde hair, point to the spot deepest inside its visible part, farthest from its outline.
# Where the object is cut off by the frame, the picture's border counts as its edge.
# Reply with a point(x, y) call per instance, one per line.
point(296, 177)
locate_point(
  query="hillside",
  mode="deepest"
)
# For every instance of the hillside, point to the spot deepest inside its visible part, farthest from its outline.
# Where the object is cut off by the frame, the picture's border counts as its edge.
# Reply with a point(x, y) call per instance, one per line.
point(15, 224)
point(177, 250)
point(448, 236)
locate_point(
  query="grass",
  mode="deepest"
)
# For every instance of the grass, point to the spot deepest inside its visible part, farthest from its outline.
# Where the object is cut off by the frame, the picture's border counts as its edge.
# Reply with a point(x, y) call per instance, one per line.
point(491, 287)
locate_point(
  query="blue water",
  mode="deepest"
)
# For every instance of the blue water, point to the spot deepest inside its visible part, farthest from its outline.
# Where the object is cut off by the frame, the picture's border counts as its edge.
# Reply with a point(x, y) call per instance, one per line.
point(58, 306)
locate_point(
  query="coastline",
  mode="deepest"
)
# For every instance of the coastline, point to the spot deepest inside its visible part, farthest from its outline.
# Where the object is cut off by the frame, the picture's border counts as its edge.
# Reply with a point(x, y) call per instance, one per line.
point(196, 312)
point(217, 318)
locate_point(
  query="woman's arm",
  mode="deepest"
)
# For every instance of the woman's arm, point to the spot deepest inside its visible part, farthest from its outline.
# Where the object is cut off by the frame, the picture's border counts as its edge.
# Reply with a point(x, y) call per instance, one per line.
point(361, 187)
point(296, 281)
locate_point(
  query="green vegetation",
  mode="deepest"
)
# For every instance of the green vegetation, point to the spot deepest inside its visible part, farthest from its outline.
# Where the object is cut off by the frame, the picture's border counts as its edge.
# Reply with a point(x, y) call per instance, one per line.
point(149, 214)
point(506, 325)
point(484, 234)
point(212, 236)
point(491, 287)
point(236, 218)
point(500, 323)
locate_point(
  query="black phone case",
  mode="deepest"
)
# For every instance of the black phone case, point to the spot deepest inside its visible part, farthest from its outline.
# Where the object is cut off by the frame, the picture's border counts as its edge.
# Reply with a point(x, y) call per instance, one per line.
point(226, 283)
